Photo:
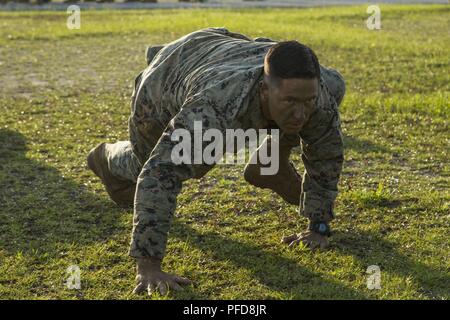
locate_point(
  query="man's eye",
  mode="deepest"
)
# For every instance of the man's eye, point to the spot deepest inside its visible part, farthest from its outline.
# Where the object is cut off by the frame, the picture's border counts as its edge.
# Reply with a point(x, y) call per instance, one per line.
point(311, 101)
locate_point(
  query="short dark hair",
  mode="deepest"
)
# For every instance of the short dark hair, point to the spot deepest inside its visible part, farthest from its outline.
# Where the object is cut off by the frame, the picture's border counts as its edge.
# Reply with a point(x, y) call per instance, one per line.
point(291, 59)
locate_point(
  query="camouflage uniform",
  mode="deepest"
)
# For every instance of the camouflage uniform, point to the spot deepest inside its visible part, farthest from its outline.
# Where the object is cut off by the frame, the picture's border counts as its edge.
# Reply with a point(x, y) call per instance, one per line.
point(212, 76)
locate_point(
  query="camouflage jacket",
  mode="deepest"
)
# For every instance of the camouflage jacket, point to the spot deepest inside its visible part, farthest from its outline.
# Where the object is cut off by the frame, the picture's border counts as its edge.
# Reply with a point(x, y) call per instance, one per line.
point(211, 75)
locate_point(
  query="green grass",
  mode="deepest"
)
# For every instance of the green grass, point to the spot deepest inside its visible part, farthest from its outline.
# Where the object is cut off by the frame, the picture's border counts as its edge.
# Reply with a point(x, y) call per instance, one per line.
point(63, 91)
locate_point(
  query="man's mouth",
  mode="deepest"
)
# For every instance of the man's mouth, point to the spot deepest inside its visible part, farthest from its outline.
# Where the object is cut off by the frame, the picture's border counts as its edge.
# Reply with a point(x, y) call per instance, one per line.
point(295, 125)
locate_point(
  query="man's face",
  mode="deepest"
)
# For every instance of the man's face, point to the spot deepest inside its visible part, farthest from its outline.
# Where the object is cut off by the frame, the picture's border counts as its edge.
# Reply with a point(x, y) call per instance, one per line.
point(291, 102)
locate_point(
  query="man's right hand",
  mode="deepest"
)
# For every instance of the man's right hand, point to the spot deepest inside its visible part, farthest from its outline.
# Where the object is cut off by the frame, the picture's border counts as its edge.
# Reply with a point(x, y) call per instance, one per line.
point(150, 278)
point(309, 238)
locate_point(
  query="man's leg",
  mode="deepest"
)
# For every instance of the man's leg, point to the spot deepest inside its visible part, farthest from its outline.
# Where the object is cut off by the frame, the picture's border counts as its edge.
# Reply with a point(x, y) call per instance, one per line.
point(118, 165)
point(286, 182)
point(118, 168)
point(122, 162)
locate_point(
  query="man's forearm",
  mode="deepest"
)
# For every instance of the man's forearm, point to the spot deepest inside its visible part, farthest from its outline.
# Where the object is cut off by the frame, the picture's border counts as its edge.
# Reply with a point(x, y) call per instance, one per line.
point(155, 203)
point(322, 155)
point(319, 189)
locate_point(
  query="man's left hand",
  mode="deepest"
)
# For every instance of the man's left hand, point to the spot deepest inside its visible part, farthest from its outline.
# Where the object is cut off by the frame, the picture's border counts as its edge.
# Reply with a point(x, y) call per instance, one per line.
point(310, 239)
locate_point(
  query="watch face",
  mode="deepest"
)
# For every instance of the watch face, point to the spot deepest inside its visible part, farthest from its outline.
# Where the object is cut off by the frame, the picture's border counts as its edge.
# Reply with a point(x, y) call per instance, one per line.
point(322, 227)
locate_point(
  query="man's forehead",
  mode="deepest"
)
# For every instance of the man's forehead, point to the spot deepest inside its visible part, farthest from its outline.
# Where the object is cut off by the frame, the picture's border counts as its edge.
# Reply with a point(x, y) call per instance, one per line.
point(298, 87)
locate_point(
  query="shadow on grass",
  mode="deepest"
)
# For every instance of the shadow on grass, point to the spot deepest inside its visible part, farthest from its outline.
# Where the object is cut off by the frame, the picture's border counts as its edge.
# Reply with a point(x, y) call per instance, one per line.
point(371, 249)
point(271, 269)
point(41, 209)
point(363, 146)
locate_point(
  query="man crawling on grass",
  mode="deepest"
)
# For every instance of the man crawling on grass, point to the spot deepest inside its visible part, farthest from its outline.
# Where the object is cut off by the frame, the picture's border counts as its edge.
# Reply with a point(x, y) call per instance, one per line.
point(226, 81)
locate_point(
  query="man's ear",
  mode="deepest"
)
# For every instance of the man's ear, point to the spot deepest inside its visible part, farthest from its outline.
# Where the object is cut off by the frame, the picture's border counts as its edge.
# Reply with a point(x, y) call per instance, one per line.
point(264, 87)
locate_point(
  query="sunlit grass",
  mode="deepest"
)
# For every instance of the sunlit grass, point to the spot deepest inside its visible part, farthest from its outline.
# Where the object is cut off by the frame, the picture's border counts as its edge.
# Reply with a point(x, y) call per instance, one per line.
point(63, 91)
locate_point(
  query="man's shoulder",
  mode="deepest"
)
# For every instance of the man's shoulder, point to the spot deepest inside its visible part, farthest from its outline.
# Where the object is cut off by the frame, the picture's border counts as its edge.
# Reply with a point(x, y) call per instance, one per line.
point(218, 31)
point(209, 33)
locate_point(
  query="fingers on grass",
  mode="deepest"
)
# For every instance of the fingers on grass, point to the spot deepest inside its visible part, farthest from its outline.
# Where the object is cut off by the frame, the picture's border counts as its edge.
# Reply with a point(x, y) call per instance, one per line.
point(139, 288)
point(289, 239)
point(293, 243)
point(182, 280)
point(303, 236)
point(175, 286)
point(308, 243)
point(163, 288)
point(150, 289)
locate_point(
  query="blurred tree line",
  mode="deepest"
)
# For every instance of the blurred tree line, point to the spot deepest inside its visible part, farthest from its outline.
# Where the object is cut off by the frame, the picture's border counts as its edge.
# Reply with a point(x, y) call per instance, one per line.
point(98, 1)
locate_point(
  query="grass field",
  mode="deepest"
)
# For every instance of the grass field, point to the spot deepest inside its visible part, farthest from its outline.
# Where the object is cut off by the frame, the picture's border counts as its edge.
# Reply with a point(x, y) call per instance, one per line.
point(63, 91)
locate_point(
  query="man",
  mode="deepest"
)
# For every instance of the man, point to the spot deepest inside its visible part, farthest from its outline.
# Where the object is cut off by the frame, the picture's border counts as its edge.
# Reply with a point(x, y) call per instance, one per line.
point(225, 80)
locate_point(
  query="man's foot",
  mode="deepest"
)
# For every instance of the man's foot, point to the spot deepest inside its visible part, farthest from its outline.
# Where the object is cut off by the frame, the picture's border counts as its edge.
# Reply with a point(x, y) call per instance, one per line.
point(120, 191)
point(286, 183)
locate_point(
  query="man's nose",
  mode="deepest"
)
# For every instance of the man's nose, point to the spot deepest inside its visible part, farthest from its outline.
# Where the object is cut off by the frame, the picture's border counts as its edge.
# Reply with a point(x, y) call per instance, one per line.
point(299, 114)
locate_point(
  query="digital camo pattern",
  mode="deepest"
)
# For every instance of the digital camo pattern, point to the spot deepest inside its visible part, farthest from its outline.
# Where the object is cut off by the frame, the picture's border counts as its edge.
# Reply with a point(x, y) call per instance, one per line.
point(211, 75)
point(322, 150)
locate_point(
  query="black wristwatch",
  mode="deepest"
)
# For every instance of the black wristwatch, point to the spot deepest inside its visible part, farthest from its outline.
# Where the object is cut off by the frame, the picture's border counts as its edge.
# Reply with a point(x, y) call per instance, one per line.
point(320, 227)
